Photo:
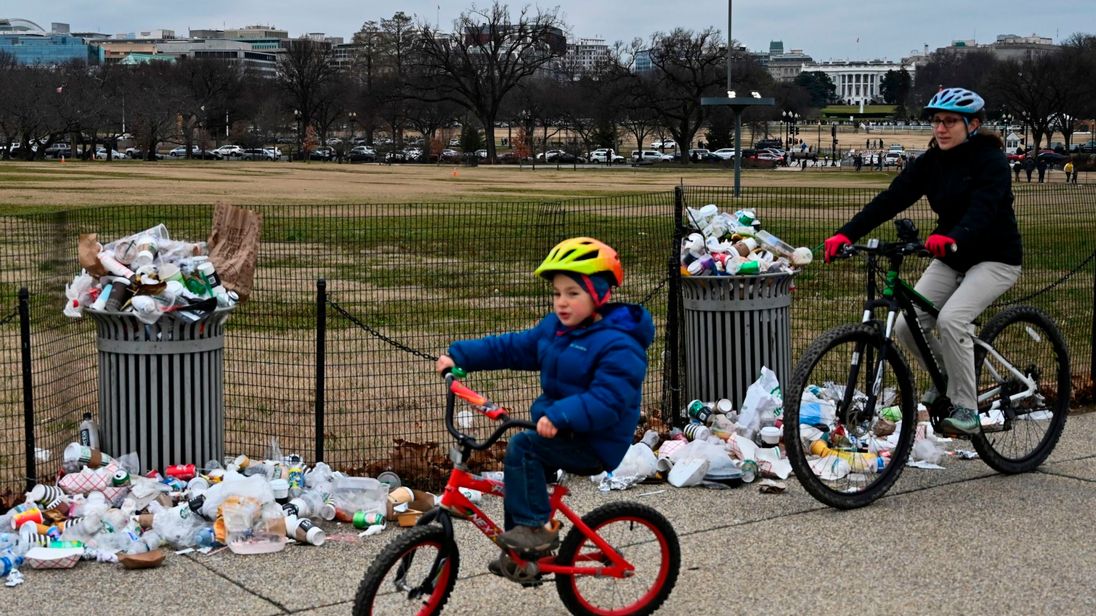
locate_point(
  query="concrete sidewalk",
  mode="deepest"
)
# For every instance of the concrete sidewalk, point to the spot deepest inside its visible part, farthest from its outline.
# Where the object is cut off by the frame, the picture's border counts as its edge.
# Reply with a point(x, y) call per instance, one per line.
point(963, 540)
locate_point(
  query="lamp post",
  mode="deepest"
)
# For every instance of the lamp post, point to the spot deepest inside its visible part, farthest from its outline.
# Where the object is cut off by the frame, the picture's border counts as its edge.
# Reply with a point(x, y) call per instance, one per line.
point(297, 119)
point(353, 115)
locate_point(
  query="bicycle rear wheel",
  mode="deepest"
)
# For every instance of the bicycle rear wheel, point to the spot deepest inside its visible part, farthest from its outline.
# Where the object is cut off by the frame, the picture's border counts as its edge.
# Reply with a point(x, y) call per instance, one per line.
point(644, 538)
point(848, 451)
point(1017, 436)
point(403, 579)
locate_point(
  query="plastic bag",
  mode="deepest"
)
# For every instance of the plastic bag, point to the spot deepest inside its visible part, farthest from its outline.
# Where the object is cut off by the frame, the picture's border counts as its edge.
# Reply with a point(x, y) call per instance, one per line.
point(762, 396)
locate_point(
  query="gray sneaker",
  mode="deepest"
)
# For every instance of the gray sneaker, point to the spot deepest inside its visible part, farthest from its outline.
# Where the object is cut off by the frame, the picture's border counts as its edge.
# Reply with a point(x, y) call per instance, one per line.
point(964, 421)
point(531, 540)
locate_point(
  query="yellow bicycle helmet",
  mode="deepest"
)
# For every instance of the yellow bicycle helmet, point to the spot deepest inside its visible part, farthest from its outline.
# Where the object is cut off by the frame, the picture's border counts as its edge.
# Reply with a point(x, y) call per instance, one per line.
point(583, 255)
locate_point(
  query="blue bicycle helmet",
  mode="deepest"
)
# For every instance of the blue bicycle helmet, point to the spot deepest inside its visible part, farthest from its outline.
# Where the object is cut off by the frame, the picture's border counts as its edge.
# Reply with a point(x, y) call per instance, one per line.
point(962, 101)
point(956, 100)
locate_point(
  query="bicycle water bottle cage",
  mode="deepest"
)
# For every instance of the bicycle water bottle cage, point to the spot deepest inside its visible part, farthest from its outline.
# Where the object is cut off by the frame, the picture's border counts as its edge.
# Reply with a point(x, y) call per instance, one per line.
point(907, 231)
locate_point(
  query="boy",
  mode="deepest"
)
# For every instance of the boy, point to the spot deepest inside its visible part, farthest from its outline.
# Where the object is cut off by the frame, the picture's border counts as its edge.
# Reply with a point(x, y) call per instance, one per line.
point(592, 358)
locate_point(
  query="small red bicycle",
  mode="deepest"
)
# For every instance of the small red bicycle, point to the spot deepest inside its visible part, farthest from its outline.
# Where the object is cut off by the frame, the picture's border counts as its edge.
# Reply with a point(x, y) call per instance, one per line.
point(621, 558)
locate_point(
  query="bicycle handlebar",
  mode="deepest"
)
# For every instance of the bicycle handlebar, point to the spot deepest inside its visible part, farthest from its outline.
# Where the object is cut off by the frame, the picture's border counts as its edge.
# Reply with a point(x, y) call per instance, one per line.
point(455, 389)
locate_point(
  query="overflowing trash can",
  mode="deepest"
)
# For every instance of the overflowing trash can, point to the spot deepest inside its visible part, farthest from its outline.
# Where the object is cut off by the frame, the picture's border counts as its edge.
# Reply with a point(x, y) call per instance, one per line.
point(735, 325)
point(161, 386)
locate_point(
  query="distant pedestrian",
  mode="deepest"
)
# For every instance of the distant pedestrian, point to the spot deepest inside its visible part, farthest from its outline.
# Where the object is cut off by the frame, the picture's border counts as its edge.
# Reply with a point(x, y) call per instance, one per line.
point(1017, 168)
point(1041, 167)
point(1068, 168)
point(1029, 166)
point(867, 143)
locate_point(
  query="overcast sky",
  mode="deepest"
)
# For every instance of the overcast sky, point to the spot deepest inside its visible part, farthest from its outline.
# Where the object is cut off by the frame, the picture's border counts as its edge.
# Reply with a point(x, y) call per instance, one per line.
point(824, 29)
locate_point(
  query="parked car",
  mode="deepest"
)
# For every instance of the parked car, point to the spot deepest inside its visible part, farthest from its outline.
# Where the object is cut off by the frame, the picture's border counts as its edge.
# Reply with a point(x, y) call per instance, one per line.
point(769, 144)
point(257, 154)
point(275, 153)
point(362, 154)
point(228, 151)
point(1052, 158)
point(650, 156)
point(605, 155)
point(180, 152)
point(102, 153)
point(57, 150)
point(397, 156)
point(724, 153)
point(449, 155)
point(768, 155)
point(549, 155)
point(668, 144)
point(322, 153)
point(891, 158)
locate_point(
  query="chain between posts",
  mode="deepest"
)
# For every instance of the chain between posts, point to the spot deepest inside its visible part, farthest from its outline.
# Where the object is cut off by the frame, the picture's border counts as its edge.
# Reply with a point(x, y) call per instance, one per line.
point(427, 356)
point(1050, 286)
point(399, 345)
point(9, 318)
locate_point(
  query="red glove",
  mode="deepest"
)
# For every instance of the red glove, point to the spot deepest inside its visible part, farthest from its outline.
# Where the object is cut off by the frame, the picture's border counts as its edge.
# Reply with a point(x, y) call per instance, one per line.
point(833, 245)
point(939, 245)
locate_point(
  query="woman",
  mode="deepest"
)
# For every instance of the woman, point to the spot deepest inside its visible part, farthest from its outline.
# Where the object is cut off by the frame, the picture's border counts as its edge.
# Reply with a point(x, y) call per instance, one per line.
point(976, 243)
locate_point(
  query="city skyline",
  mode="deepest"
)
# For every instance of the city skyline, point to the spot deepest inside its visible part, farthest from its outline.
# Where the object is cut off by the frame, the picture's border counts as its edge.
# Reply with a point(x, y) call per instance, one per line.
point(881, 31)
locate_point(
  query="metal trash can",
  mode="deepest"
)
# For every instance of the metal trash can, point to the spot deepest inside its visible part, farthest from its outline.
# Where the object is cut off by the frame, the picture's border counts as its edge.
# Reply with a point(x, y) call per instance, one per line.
point(161, 387)
point(734, 325)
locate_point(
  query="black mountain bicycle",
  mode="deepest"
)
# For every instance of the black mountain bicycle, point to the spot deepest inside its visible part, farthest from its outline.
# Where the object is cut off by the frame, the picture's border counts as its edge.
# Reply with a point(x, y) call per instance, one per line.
point(850, 410)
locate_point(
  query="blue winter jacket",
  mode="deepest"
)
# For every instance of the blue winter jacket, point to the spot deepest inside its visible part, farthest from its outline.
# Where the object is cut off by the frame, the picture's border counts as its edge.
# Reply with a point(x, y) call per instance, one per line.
point(591, 376)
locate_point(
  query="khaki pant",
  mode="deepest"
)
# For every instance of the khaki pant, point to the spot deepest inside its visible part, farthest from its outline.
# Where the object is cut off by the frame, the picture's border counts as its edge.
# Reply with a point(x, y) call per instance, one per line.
point(960, 298)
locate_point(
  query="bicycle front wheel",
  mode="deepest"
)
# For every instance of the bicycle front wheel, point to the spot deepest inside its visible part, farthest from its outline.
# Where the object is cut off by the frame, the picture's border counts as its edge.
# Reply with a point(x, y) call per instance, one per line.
point(414, 574)
point(849, 417)
point(645, 538)
point(1020, 427)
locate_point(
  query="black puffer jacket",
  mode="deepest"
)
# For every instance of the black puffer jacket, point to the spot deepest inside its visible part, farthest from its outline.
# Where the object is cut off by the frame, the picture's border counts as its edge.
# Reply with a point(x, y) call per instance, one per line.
point(970, 189)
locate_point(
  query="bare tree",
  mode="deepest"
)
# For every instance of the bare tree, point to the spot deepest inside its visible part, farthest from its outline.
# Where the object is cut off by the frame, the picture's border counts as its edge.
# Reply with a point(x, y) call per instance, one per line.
point(1027, 89)
point(155, 104)
point(368, 94)
point(487, 56)
point(686, 67)
point(215, 87)
point(303, 71)
point(948, 68)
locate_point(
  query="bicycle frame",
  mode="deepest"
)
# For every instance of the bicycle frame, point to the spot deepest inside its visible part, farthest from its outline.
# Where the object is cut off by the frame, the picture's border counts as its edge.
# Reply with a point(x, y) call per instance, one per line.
point(454, 504)
point(898, 296)
point(459, 506)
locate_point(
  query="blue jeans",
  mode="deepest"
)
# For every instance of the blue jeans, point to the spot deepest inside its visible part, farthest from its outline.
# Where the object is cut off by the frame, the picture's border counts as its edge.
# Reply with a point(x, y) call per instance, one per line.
point(529, 463)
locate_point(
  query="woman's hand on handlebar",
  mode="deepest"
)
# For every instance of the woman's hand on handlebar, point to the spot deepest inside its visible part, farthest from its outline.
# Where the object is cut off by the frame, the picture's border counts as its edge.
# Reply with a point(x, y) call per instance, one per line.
point(832, 246)
point(546, 428)
point(444, 363)
point(939, 245)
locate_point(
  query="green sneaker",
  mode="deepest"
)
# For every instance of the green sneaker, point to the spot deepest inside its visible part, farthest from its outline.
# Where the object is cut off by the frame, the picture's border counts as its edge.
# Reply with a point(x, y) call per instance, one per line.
point(964, 421)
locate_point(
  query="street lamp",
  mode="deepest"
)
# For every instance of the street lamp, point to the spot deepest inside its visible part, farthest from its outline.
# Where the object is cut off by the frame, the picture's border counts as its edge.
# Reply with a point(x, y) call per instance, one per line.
point(1006, 119)
point(297, 118)
point(353, 116)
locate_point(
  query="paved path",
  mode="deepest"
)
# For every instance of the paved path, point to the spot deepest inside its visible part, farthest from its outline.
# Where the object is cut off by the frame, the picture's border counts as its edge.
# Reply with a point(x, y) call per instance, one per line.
point(964, 540)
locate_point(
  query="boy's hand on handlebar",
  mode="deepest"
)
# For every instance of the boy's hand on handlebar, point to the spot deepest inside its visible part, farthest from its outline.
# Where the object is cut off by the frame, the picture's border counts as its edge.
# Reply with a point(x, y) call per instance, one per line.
point(444, 363)
point(546, 428)
point(833, 245)
point(939, 245)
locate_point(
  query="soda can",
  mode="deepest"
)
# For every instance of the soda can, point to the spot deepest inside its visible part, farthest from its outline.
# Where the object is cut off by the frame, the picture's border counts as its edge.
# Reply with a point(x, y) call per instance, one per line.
point(749, 471)
point(699, 411)
point(121, 478)
point(182, 472)
point(364, 519)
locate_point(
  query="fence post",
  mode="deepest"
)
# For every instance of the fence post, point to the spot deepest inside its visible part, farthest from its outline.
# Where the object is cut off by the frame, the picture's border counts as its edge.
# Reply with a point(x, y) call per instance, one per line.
point(28, 387)
point(321, 356)
point(1092, 336)
point(673, 318)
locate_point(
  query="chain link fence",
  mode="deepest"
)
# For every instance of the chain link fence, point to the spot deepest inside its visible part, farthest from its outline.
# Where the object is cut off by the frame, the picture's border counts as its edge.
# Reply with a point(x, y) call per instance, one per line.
point(402, 281)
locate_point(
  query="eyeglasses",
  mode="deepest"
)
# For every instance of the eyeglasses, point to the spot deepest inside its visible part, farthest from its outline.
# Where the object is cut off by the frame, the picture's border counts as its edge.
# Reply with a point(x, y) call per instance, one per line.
point(947, 122)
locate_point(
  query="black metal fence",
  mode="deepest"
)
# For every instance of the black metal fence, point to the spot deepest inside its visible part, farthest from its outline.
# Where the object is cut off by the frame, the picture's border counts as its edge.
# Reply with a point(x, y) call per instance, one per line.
point(401, 281)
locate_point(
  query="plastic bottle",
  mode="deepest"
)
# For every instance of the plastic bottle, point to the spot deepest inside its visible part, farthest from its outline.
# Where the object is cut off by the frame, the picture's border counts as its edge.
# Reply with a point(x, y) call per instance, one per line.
point(296, 481)
point(101, 301)
point(148, 541)
point(797, 256)
point(9, 562)
point(89, 432)
point(212, 281)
